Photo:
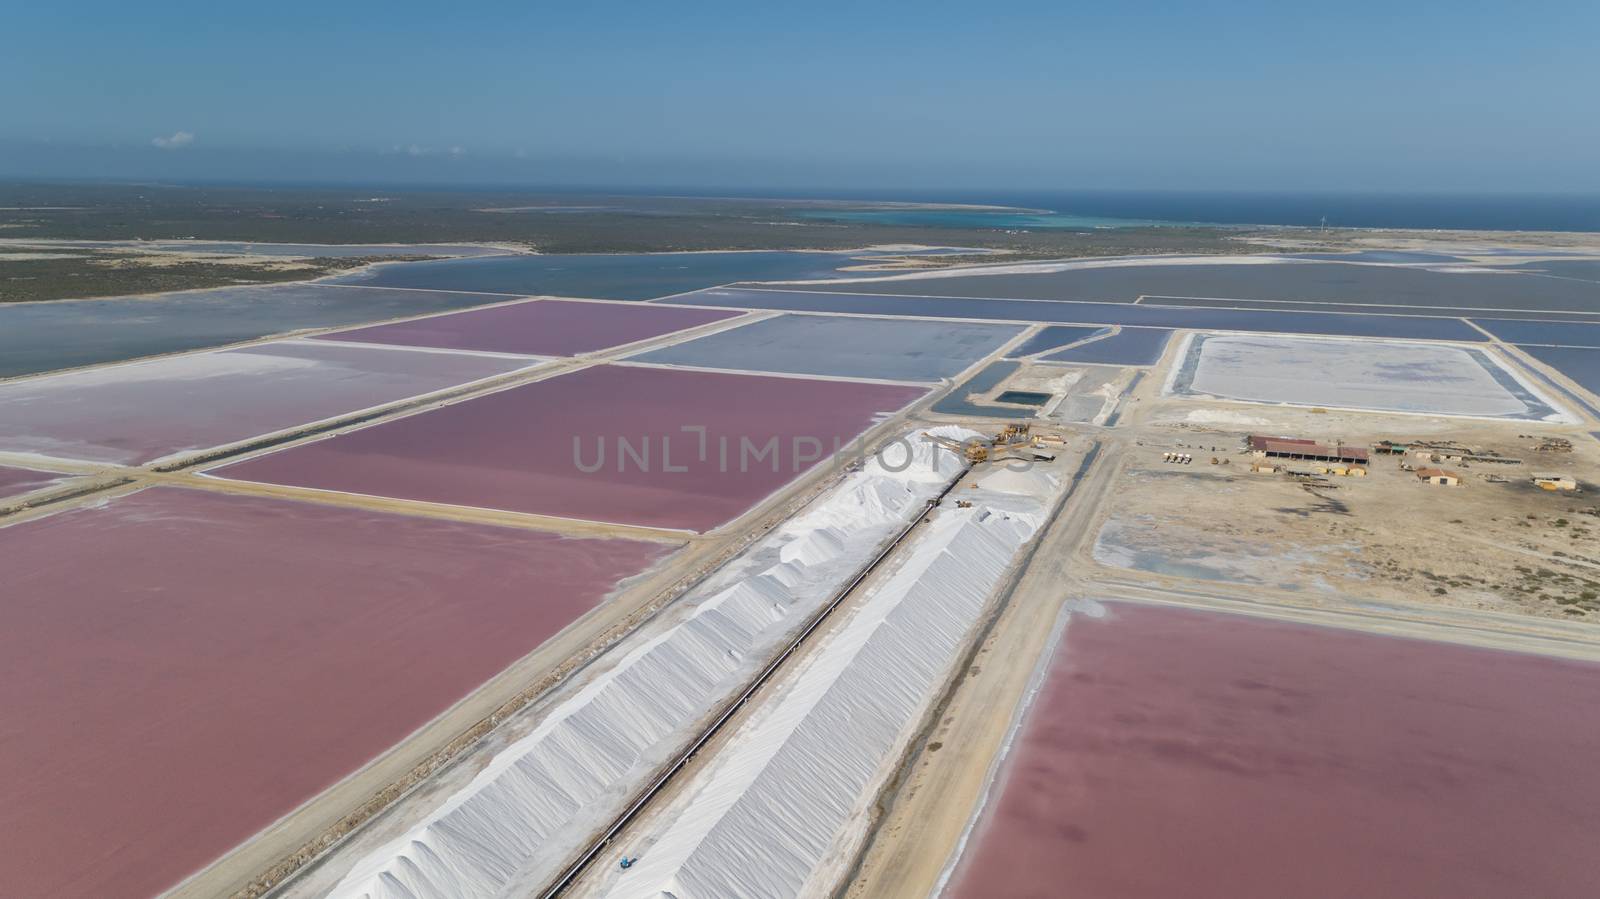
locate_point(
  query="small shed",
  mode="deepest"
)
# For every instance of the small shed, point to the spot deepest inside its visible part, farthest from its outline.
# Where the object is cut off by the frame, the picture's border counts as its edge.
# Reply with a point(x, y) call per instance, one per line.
point(1341, 470)
point(1556, 481)
point(1443, 477)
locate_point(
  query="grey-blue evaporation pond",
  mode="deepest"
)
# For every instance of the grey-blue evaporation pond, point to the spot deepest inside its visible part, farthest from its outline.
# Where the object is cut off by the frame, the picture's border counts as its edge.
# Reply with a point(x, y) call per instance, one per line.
point(1362, 308)
point(1130, 346)
point(1415, 327)
point(1543, 333)
point(1055, 337)
point(1583, 269)
point(960, 400)
point(842, 346)
point(603, 276)
point(37, 337)
point(1581, 364)
point(1518, 287)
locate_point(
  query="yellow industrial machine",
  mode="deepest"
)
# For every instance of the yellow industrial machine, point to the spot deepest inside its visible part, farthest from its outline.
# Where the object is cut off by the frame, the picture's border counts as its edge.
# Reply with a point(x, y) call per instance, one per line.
point(1013, 434)
point(1016, 441)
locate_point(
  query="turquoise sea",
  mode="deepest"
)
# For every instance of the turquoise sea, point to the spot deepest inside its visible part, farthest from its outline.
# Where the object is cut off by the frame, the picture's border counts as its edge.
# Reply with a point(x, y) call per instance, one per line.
point(987, 219)
point(1093, 209)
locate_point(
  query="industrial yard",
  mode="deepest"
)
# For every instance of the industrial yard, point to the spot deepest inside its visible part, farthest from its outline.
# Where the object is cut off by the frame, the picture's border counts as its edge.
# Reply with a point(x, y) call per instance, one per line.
point(769, 592)
point(1494, 541)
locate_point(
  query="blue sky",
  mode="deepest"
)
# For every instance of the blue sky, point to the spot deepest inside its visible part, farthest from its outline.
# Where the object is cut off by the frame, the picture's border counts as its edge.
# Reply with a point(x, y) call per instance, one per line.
point(1354, 96)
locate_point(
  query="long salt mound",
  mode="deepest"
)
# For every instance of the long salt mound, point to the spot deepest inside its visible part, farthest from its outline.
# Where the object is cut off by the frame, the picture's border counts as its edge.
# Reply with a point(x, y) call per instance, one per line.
point(534, 804)
point(782, 805)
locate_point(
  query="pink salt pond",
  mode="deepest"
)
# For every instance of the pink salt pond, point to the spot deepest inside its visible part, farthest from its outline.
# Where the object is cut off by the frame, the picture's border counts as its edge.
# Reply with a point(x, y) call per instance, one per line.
point(137, 412)
point(179, 669)
point(538, 327)
point(1184, 753)
point(655, 447)
point(17, 481)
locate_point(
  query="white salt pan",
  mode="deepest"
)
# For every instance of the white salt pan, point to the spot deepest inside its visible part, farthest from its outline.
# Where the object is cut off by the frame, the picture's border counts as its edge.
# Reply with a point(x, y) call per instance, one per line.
point(1364, 374)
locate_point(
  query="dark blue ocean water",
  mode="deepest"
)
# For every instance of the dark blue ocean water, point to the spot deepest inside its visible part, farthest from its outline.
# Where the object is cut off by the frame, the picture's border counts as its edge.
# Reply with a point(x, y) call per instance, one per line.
point(1102, 208)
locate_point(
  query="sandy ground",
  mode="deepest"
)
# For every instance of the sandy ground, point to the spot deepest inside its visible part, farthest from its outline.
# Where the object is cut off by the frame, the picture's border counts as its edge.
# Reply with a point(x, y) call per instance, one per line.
point(1083, 394)
point(1021, 268)
point(1467, 244)
point(1502, 547)
point(1496, 542)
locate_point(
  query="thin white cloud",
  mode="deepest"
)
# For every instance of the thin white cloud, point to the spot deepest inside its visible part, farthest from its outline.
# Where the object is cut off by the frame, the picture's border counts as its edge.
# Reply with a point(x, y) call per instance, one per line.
point(178, 139)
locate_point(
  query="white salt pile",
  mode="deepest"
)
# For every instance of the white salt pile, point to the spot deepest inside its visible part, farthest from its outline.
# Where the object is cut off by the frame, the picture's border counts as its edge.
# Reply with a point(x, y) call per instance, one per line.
point(779, 811)
point(514, 825)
